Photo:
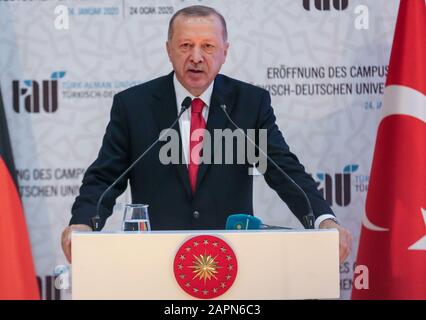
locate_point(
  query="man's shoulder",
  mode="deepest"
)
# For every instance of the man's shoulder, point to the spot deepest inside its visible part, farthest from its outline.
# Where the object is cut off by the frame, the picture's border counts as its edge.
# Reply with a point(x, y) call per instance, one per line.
point(242, 86)
point(237, 91)
point(145, 89)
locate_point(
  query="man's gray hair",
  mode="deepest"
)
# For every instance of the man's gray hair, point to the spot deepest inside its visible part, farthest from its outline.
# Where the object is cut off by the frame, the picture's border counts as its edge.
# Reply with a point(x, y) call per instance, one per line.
point(198, 11)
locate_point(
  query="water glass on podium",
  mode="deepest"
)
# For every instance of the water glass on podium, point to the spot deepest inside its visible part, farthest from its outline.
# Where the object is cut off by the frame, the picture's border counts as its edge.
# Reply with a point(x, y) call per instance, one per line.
point(136, 218)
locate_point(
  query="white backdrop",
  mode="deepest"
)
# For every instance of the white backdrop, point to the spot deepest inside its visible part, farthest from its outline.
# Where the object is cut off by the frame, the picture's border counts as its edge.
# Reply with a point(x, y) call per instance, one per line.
point(325, 75)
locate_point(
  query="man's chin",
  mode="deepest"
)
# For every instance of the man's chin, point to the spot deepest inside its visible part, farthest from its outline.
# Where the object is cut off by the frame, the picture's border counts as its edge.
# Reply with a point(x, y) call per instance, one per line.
point(195, 78)
point(198, 86)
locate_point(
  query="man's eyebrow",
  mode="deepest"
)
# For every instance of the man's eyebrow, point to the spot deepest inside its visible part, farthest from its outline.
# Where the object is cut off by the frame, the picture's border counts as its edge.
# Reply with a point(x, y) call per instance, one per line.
point(184, 39)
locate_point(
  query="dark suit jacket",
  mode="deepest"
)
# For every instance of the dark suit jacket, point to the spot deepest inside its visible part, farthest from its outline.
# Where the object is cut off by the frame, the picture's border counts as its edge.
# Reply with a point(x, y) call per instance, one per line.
point(138, 115)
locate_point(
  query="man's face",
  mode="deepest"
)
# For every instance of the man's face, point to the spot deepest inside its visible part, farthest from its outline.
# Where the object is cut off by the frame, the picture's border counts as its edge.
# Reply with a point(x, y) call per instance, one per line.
point(197, 51)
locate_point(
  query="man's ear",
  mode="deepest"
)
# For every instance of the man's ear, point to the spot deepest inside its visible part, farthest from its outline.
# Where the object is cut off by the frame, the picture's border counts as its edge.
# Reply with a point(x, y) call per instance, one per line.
point(168, 48)
point(225, 53)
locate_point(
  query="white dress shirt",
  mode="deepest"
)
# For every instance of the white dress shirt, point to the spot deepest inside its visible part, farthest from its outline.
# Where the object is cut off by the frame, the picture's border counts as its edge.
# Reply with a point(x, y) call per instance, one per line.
point(185, 125)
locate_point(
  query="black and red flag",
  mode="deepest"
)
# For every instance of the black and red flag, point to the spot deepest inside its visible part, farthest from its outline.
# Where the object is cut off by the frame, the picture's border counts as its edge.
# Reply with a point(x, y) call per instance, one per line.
point(17, 275)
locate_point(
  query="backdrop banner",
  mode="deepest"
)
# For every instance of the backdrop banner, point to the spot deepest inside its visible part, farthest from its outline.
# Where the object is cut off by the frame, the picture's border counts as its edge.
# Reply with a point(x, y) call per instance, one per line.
point(324, 63)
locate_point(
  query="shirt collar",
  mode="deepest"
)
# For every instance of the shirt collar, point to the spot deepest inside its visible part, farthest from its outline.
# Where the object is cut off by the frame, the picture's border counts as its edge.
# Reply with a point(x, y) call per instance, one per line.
point(182, 93)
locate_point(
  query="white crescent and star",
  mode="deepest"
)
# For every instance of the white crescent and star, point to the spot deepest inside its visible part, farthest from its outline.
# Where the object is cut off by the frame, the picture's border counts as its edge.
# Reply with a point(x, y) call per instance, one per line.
point(403, 100)
point(421, 243)
point(400, 100)
point(418, 245)
point(371, 226)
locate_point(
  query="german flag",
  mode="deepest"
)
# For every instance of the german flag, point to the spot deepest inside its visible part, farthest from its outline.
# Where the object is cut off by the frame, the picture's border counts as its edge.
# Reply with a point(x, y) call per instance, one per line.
point(17, 275)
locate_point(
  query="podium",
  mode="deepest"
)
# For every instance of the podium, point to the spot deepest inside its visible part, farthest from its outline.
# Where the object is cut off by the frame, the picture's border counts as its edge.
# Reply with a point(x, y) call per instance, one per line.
point(271, 264)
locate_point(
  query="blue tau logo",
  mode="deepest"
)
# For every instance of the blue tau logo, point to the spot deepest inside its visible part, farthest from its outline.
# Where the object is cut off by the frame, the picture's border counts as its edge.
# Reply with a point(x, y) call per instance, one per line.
point(325, 5)
point(33, 97)
point(342, 186)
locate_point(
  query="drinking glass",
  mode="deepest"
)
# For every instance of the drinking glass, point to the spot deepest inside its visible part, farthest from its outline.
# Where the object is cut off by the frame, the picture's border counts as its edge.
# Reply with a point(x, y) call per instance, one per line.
point(136, 218)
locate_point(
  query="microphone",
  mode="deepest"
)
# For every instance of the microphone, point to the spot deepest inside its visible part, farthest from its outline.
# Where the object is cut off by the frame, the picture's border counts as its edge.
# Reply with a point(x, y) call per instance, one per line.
point(248, 222)
point(242, 222)
point(186, 103)
point(309, 218)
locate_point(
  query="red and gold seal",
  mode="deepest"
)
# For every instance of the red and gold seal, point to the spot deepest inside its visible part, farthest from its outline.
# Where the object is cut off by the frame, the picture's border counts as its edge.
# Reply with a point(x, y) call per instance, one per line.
point(205, 267)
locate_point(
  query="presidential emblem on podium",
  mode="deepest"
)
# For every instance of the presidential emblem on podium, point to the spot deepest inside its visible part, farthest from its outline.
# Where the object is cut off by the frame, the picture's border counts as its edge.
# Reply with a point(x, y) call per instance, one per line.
point(205, 266)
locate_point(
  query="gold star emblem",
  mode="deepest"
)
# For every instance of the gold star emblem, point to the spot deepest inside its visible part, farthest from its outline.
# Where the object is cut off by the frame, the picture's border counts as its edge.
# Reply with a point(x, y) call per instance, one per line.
point(205, 267)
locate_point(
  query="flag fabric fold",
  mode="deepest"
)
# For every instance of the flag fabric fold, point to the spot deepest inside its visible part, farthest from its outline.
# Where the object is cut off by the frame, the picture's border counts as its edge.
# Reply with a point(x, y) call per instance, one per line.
point(17, 275)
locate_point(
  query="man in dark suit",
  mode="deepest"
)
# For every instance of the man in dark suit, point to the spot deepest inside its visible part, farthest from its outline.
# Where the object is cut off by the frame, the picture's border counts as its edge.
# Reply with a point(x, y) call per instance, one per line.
point(194, 195)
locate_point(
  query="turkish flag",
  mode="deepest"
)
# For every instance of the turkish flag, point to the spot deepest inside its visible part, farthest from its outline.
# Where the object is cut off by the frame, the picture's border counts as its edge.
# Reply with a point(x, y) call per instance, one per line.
point(393, 235)
point(17, 276)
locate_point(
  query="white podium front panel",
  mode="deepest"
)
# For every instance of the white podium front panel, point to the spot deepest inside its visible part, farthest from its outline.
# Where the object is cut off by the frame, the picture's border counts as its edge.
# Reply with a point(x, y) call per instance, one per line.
point(271, 264)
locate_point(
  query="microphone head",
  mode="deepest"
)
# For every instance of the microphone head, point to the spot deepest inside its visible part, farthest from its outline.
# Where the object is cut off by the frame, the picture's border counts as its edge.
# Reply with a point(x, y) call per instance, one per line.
point(242, 222)
point(186, 103)
point(219, 99)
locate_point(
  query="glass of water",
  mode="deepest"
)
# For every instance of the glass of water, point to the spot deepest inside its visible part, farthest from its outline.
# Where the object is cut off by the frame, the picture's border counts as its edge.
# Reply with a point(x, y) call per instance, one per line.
point(136, 218)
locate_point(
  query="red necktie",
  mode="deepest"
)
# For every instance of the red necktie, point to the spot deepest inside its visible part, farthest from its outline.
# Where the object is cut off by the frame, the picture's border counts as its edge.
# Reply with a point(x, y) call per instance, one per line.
point(197, 122)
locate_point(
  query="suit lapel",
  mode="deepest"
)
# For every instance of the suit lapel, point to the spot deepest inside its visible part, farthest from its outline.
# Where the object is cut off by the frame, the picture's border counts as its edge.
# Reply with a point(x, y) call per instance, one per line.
point(217, 119)
point(165, 111)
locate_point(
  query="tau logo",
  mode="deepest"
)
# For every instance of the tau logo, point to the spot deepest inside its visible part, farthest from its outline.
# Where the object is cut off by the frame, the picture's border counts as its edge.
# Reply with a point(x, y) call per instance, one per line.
point(27, 93)
point(325, 5)
point(342, 186)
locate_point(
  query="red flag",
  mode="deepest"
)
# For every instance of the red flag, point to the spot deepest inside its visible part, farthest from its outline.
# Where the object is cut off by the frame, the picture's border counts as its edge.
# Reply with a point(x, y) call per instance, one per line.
point(393, 236)
point(17, 276)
